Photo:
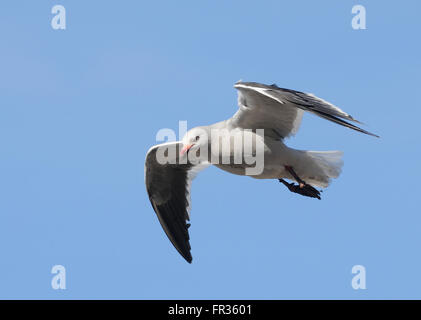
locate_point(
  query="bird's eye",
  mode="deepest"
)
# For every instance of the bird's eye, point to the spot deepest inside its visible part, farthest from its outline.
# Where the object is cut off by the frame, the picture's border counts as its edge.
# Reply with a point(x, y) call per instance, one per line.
point(197, 138)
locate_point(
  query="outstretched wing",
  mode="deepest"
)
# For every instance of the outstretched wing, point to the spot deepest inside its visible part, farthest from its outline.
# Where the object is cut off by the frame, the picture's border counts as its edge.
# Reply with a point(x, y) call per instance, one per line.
point(279, 111)
point(168, 183)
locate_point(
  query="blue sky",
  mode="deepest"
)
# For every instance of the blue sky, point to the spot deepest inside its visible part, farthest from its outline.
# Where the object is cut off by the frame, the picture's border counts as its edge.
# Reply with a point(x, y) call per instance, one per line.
point(80, 107)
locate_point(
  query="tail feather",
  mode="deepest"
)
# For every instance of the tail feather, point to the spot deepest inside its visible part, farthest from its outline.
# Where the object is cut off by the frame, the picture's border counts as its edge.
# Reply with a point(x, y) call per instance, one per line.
point(329, 164)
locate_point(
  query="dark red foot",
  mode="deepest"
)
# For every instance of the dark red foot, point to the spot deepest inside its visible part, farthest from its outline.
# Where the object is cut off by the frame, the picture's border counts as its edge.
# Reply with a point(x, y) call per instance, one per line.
point(303, 189)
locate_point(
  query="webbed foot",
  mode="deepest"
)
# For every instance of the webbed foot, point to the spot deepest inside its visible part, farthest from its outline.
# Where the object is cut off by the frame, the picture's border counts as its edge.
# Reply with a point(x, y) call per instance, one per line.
point(303, 189)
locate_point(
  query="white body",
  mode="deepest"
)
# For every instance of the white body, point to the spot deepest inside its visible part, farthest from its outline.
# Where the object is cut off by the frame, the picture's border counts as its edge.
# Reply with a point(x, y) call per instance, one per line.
point(314, 167)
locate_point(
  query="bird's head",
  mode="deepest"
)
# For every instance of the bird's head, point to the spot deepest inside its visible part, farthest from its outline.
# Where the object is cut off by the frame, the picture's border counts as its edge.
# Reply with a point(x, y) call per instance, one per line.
point(194, 140)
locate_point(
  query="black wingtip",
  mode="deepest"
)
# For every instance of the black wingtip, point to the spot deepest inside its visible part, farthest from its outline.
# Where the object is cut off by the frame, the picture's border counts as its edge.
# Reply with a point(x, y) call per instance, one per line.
point(370, 134)
point(184, 252)
point(343, 123)
point(188, 257)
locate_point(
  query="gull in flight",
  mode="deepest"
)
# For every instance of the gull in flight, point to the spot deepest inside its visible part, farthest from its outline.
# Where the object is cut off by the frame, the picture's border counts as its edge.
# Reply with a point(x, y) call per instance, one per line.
point(266, 116)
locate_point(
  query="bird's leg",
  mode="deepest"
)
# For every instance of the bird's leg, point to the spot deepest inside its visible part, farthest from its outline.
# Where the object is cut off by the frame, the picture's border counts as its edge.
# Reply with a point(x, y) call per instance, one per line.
point(295, 175)
point(302, 188)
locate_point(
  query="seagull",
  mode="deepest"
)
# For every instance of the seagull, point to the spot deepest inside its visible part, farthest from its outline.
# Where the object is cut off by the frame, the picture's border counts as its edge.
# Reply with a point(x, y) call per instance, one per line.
point(267, 114)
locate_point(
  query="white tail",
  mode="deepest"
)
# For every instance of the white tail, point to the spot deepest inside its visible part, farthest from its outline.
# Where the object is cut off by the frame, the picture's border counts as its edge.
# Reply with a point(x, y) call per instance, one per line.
point(328, 166)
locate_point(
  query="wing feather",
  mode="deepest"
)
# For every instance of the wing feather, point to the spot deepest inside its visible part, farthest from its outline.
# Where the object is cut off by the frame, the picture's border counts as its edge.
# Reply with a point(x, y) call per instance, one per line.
point(168, 187)
point(280, 110)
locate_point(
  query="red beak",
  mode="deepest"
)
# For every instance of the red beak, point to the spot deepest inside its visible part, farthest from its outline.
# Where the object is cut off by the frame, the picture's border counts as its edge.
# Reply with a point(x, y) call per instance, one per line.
point(185, 149)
